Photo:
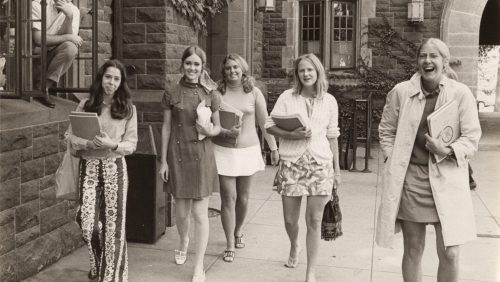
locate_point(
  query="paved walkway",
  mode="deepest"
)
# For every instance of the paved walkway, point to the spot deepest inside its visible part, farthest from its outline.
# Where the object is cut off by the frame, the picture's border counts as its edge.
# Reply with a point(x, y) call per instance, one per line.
point(353, 257)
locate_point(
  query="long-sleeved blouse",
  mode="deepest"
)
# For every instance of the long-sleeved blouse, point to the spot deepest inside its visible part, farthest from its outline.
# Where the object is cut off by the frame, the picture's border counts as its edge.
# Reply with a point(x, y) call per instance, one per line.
point(121, 131)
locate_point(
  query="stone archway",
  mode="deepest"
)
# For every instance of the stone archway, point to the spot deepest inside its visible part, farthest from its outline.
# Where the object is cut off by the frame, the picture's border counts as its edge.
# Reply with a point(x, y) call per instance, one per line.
point(460, 24)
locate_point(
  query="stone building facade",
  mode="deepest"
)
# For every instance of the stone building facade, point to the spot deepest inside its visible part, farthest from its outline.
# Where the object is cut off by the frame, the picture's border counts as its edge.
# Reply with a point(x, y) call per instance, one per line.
point(456, 22)
point(36, 229)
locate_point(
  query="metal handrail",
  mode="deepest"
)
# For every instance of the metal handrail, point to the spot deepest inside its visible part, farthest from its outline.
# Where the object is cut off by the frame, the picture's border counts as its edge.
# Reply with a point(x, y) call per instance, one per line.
point(23, 55)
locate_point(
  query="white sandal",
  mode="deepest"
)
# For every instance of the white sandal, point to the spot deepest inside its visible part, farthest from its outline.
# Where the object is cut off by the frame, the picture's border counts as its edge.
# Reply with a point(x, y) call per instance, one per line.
point(180, 257)
point(292, 262)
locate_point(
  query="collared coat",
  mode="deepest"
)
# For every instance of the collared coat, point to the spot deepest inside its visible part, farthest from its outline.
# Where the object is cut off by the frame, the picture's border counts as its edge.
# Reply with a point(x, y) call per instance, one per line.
point(448, 179)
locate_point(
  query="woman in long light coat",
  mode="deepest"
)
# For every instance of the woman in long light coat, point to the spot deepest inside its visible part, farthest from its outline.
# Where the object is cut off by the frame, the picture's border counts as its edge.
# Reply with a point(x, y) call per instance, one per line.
point(417, 189)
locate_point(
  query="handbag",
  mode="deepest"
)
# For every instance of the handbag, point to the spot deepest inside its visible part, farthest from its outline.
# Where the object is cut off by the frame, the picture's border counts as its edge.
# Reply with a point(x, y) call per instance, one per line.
point(331, 227)
point(67, 175)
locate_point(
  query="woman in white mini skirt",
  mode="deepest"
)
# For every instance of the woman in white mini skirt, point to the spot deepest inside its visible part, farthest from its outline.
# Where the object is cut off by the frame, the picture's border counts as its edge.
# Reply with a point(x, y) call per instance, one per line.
point(237, 149)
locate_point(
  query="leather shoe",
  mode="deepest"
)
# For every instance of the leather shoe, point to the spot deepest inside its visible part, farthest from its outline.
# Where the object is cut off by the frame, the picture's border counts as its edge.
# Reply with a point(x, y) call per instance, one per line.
point(46, 101)
point(92, 276)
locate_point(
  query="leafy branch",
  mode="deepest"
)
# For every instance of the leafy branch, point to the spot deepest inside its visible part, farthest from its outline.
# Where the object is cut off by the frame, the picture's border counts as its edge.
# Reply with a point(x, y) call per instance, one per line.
point(197, 11)
point(388, 45)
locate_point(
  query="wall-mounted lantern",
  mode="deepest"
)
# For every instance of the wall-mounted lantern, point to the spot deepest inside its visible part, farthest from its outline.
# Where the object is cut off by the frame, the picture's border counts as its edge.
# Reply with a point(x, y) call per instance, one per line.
point(265, 5)
point(416, 11)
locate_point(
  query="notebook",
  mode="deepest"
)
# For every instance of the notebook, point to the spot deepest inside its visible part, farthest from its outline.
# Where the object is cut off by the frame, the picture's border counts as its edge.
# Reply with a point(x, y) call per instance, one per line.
point(84, 125)
point(444, 124)
point(229, 117)
point(288, 122)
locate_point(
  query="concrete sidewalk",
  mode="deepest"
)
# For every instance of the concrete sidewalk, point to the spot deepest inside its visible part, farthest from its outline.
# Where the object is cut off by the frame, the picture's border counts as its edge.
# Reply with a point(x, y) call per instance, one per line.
point(352, 257)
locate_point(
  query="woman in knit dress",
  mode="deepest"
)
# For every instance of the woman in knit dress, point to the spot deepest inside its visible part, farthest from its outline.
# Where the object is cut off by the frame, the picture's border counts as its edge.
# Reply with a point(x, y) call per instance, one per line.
point(419, 189)
point(238, 163)
point(309, 164)
point(188, 163)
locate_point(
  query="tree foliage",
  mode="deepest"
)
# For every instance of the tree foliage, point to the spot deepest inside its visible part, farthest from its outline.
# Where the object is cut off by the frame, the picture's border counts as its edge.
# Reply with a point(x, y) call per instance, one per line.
point(197, 11)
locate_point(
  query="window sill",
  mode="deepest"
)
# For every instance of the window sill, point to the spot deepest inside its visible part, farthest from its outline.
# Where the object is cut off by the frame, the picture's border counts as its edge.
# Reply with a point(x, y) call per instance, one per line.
point(17, 113)
point(343, 74)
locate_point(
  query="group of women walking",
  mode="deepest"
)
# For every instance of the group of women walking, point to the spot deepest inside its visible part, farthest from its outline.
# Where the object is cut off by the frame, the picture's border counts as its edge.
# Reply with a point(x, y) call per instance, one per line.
point(417, 189)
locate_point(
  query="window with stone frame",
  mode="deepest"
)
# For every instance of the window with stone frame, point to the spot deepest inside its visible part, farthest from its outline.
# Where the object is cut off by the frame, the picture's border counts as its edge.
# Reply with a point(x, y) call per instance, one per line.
point(330, 30)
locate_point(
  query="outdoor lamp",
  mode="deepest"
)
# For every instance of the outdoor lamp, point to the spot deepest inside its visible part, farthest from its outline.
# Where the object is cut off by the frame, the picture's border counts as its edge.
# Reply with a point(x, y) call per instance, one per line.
point(266, 5)
point(416, 11)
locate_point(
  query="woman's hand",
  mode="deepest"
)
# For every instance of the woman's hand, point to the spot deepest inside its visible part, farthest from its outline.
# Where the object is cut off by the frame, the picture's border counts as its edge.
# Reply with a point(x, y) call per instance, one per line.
point(164, 171)
point(103, 141)
point(234, 132)
point(300, 133)
point(275, 157)
point(91, 145)
point(436, 146)
point(337, 181)
point(207, 130)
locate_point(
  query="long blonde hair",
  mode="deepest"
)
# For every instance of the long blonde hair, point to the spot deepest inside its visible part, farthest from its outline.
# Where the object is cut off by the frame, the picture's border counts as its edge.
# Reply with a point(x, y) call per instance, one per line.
point(321, 82)
point(247, 81)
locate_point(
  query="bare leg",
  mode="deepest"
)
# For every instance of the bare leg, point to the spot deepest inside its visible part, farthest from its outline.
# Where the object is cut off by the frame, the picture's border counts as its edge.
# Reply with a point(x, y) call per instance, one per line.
point(228, 203)
point(183, 221)
point(243, 185)
point(448, 258)
point(414, 243)
point(291, 213)
point(314, 215)
point(200, 214)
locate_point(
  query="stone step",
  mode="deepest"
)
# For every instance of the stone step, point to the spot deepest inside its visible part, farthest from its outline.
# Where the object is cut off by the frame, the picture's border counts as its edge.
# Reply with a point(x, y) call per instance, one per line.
point(490, 126)
point(490, 121)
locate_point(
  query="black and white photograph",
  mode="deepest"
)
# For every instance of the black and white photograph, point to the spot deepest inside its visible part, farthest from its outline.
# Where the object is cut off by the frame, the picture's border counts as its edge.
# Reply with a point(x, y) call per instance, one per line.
point(250, 140)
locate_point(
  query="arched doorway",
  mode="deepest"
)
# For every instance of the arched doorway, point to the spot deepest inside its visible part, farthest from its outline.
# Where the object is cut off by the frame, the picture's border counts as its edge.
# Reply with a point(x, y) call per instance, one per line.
point(460, 25)
point(489, 57)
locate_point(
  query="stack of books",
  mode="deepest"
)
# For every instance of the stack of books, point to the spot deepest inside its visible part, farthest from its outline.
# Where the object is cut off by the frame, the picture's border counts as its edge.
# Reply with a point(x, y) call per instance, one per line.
point(289, 122)
point(84, 125)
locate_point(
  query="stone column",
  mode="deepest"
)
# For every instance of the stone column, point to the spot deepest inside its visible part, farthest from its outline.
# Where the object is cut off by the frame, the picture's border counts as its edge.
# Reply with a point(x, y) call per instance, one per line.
point(154, 37)
point(497, 97)
point(232, 32)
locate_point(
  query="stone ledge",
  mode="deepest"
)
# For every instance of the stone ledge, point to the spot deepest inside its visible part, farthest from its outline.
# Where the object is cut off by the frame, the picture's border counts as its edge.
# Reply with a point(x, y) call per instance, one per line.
point(18, 113)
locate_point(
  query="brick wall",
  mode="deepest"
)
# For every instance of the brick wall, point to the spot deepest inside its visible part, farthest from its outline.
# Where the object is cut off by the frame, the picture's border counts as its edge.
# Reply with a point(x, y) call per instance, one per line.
point(258, 36)
point(154, 37)
point(274, 39)
point(36, 229)
point(275, 51)
point(396, 11)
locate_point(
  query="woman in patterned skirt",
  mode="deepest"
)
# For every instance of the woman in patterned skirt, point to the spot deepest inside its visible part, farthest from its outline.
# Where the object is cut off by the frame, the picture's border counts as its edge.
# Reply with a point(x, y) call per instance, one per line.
point(188, 163)
point(103, 172)
point(309, 163)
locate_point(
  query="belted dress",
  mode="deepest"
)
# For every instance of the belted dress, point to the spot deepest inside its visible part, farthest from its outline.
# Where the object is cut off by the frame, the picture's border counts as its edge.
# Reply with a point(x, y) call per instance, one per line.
point(192, 168)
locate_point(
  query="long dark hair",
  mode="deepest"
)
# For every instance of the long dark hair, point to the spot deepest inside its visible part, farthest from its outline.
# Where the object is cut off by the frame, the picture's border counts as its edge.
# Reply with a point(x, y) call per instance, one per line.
point(121, 105)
